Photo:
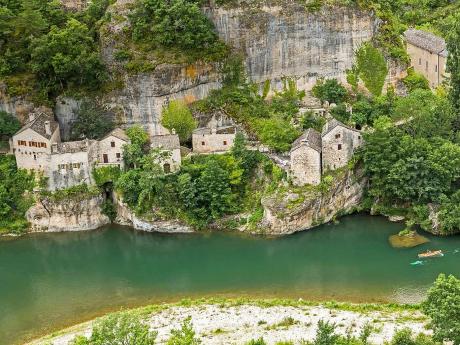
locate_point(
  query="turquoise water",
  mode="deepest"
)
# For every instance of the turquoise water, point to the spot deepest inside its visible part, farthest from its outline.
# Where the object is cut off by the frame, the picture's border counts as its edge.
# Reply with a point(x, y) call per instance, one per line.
point(48, 281)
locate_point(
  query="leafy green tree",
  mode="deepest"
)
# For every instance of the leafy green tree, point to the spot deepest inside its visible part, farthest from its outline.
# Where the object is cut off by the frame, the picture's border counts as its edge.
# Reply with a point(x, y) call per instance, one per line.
point(453, 60)
point(276, 133)
point(443, 307)
point(403, 337)
point(8, 125)
point(177, 116)
point(174, 23)
point(372, 68)
point(329, 90)
point(14, 201)
point(67, 57)
point(449, 213)
point(124, 328)
point(92, 122)
point(185, 335)
point(138, 146)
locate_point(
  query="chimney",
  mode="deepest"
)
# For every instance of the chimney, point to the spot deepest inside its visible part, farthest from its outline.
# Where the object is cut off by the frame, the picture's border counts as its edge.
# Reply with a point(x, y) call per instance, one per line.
point(47, 127)
point(31, 117)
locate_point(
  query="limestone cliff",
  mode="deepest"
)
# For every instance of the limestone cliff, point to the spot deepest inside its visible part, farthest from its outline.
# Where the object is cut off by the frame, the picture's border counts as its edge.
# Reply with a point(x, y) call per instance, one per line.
point(67, 215)
point(292, 210)
point(275, 41)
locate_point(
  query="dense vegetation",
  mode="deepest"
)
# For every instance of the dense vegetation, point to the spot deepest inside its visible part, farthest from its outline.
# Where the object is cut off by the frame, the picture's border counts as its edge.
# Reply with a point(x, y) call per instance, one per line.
point(442, 306)
point(14, 201)
point(205, 189)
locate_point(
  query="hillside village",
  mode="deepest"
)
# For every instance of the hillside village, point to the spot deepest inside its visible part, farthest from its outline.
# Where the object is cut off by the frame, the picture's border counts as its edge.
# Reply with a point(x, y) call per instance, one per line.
point(37, 145)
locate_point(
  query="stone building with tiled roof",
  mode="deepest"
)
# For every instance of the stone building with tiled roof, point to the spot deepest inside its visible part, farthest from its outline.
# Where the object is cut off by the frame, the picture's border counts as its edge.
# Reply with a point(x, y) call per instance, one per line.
point(37, 146)
point(168, 143)
point(313, 153)
point(428, 54)
point(214, 138)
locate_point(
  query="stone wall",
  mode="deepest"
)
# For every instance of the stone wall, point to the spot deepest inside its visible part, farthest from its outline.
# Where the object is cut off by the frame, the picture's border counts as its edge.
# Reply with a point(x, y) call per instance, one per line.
point(338, 146)
point(283, 214)
point(207, 143)
point(305, 166)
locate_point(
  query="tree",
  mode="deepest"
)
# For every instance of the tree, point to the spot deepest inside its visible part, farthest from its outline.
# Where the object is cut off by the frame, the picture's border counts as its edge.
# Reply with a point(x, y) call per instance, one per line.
point(185, 335)
point(124, 328)
point(330, 90)
point(138, 146)
point(415, 80)
point(173, 23)
point(67, 57)
point(177, 116)
point(403, 337)
point(92, 122)
point(443, 307)
point(453, 60)
point(276, 133)
point(8, 125)
point(372, 68)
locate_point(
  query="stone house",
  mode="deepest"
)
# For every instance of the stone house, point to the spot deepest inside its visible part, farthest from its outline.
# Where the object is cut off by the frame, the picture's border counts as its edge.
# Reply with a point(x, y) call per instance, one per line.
point(306, 158)
point(338, 144)
point(428, 55)
point(169, 143)
point(37, 146)
point(110, 149)
point(214, 138)
point(71, 163)
point(31, 145)
point(314, 153)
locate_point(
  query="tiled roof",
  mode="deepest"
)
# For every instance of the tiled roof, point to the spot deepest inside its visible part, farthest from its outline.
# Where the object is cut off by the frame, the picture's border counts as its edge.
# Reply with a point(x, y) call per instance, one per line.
point(168, 141)
point(426, 40)
point(311, 138)
point(219, 130)
point(117, 133)
point(38, 124)
point(331, 124)
point(72, 146)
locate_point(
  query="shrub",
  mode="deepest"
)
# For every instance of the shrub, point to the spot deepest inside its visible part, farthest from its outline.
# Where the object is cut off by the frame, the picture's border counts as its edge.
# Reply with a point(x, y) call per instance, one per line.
point(403, 337)
point(109, 209)
point(184, 336)
point(415, 80)
point(372, 68)
point(8, 125)
point(92, 122)
point(259, 341)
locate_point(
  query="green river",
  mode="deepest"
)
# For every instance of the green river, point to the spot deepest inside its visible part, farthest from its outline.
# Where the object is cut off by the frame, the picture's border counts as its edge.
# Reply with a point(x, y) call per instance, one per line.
point(48, 281)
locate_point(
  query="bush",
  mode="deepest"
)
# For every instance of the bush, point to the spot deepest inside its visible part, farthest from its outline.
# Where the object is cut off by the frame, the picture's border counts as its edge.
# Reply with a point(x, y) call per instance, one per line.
point(177, 116)
point(330, 90)
point(92, 122)
point(184, 336)
point(415, 80)
point(8, 125)
point(259, 341)
point(325, 334)
point(109, 209)
point(124, 328)
point(372, 68)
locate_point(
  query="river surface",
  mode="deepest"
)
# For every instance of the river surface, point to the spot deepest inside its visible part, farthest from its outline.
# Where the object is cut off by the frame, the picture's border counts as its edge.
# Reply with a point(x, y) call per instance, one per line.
point(48, 281)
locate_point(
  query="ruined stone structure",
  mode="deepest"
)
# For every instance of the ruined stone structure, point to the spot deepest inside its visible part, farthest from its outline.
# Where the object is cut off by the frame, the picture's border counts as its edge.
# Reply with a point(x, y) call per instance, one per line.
point(214, 138)
point(314, 153)
point(428, 55)
point(38, 147)
point(169, 143)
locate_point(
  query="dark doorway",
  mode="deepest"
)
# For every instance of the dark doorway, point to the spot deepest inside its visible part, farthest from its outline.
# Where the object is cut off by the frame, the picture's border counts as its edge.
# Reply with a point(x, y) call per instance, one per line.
point(167, 168)
point(105, 158)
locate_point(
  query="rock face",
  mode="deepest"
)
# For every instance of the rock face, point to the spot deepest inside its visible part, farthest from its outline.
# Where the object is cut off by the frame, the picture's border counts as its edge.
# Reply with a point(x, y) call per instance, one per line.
point(127, 217)
point(286, 214)
point(290, 41)
point(67, 215)
point(277, 42)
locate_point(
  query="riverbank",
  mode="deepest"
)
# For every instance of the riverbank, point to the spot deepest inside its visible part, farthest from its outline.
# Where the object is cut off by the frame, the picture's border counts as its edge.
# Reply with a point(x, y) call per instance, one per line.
point(237, 321)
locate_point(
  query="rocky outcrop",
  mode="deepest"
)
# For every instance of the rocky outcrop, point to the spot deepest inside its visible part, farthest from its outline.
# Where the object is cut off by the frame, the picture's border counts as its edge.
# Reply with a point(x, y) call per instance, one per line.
point(67, 215)
point(291, 211)
point(127, 217)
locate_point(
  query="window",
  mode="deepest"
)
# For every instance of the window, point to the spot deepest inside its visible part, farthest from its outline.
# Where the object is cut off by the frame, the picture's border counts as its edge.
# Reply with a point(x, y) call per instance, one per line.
point(203, 143)
point(167, 168)
point(435, 68)
point(22, 143)
point(118, 155)
point(426, 65)
point(419, 61)
point(359, 137)
point(76, 165)
point(35, 156)
point(112, 143)
point(105, 158)
point(337, 136)
point(339, 147)
point(225, 142)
